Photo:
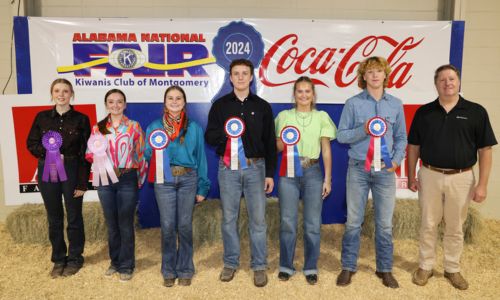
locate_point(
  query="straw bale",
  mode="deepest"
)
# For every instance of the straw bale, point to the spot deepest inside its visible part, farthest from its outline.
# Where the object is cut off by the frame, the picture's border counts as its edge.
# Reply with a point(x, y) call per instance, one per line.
point(207, 218)
point(28, 223)
point(406, 221)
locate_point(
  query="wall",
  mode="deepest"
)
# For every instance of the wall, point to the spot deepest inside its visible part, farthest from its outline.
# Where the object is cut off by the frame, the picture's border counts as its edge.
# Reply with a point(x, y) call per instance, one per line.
point(482, 36)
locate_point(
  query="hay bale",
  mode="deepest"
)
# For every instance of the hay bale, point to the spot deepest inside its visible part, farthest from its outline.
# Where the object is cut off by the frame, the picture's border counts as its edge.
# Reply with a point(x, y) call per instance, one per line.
point(406, 222)
point(28, 223)
point(207, 218)
point(206, 223)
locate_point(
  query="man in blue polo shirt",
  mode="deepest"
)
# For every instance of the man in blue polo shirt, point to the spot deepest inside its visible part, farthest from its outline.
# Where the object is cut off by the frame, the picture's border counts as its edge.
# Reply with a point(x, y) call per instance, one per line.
point(373, 101)
point(447, 135)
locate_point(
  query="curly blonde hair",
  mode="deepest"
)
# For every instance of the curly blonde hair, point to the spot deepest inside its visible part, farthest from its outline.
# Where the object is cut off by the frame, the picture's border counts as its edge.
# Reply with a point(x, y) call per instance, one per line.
point(370, 63)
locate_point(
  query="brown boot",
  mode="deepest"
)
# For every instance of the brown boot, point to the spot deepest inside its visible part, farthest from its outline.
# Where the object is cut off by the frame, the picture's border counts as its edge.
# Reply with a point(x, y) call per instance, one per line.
point(71, 269)
point(260, 278)
point(456, 280)
point(388, 279)
point(344, 278)
point(57, 270)
point(227, 274)
point(421, 276)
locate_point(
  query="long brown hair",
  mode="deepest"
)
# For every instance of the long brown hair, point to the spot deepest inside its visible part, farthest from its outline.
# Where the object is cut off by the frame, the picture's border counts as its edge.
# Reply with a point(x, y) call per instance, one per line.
point(184, 123)
point(102, 124)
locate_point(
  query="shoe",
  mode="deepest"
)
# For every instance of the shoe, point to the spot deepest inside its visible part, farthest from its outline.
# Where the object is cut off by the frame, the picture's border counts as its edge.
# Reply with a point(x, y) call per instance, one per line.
point(57, 270)
point(283, 276)
point(184, 281)
point(312, 279)
point(260, 278)
point(421, 276)
point(110, 271)
point(344, 278)
point(456, 279)
point(71, 269)
point(169, 282)
point(388, 279)
point(124, 277)
point(227, 274)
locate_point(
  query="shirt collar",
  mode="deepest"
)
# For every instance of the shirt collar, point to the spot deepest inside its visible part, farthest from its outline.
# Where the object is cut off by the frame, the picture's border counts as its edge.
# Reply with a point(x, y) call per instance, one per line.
point(54, 112)
point(124, 121)
point(461, 104)
point(235, 98)
point(367, 96)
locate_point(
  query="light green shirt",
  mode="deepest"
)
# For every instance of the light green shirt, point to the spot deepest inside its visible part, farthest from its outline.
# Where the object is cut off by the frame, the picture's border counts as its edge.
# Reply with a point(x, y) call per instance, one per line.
point(312, 126)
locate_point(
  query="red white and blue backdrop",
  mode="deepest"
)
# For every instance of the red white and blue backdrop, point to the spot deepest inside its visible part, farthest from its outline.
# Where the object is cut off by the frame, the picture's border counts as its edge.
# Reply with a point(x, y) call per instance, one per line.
point(143, 57)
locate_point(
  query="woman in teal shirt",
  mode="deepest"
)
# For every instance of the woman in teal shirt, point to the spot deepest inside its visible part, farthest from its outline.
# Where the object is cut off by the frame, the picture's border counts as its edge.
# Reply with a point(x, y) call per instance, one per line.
point(186, 182)
point(316, 130)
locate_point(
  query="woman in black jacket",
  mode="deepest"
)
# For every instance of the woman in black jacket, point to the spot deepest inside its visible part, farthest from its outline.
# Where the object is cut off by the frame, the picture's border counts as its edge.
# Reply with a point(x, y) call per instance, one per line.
point(58, 138)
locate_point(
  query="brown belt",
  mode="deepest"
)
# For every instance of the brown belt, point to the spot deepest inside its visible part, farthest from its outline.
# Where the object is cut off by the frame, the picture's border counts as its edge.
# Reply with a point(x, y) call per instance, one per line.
point(307, 162)
point(253, 160)
point(446, 171)
point(179, 170)
point(121, 171)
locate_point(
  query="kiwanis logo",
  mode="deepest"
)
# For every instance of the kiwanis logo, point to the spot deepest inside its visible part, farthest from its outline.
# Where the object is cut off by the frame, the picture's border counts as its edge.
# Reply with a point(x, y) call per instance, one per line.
point(127, 59)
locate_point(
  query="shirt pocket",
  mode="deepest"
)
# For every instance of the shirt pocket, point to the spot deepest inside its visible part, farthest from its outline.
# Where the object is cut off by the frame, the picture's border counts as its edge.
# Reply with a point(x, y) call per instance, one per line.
point(390, 116)
point(254, 120)
point(361, 117)
point(71, 133)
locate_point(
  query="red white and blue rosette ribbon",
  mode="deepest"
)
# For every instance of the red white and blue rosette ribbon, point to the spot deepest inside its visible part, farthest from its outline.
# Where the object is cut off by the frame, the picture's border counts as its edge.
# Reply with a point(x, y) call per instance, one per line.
point(101, 166)
point(290, 161)
point(234, 154)
point(377, 150)
point(54, 166)
point(159, 169)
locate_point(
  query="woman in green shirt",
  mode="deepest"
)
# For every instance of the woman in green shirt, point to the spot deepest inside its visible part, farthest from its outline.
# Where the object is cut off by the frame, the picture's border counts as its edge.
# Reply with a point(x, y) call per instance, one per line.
point(315, 131)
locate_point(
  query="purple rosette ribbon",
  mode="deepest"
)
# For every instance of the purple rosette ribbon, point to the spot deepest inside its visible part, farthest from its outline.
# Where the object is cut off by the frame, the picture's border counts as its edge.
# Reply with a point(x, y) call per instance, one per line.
point(53, 168)
point(101, 167)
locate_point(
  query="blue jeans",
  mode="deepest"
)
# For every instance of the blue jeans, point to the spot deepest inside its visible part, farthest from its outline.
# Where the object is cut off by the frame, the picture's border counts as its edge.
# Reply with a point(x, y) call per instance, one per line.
point(383, 187)
point(175, 204)
point(310, 186)
point(232, 183)
point(52, 194)
point(119, 202)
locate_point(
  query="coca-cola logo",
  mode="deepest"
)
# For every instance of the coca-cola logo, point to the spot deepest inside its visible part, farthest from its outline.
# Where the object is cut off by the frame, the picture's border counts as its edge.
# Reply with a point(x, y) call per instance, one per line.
point(340, 63)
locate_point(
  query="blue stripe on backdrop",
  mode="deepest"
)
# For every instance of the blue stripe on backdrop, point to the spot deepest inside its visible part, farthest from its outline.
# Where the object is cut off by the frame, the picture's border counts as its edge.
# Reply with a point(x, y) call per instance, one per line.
point(457, 44)
point(334, 207)
point(23, 60)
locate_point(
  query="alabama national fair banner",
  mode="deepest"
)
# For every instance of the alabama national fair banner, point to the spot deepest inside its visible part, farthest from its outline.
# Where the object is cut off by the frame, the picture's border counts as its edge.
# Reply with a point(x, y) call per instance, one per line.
point(143, 57)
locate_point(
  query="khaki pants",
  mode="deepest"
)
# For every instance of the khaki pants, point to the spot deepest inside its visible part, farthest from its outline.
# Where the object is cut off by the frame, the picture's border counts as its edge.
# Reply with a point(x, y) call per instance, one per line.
point(443, 196)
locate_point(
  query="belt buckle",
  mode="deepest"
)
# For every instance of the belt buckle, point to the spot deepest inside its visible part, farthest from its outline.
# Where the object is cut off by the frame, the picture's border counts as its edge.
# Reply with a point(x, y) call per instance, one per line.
point(179, 170)
point(305, 162)
point(176, 171)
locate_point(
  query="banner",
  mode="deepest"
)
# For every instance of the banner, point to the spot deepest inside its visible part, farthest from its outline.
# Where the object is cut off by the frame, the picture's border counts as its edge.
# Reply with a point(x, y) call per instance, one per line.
point(143, 57)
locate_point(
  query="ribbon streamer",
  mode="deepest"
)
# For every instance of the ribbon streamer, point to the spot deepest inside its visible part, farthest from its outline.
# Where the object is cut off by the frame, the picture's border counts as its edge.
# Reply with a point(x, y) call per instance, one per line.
point(234, 155)
point(159, 169)
point(377, 149)
point(54, 166)
point(290, 161)
point(101, 166)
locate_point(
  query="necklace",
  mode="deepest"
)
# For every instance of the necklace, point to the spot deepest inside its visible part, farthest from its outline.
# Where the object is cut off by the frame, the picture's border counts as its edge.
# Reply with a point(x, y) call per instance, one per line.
point(304, 119)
